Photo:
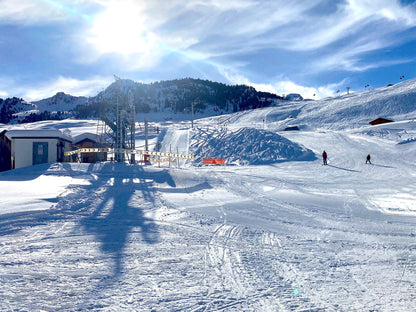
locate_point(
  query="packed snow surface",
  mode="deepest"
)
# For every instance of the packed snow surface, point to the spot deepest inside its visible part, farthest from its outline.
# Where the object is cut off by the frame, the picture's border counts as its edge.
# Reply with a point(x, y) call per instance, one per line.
point(273, 231)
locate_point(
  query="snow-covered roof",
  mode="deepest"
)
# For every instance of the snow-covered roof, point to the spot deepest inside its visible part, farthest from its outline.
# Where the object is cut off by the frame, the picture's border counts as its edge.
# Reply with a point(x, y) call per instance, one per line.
point(12, 134)
point(86, 135)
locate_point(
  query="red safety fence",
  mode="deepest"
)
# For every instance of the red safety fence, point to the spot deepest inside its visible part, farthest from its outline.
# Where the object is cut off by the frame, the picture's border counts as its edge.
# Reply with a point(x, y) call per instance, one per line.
point(213, 161)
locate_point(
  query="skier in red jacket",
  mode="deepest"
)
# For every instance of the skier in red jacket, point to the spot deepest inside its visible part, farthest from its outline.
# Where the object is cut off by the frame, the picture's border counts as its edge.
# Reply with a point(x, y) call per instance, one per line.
point(324, 157)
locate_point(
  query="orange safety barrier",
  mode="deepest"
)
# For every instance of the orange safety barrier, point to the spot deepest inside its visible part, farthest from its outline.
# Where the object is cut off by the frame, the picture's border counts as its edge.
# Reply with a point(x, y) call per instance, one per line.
point(213, 161)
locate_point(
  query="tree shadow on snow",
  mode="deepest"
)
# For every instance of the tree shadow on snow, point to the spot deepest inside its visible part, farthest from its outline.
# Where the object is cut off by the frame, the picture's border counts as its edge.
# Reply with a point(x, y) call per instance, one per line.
point(118, 210)
point(111, 208)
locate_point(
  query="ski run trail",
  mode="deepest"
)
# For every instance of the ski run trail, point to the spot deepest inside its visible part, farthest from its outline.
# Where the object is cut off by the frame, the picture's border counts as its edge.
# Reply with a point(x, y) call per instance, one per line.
point(280, 232)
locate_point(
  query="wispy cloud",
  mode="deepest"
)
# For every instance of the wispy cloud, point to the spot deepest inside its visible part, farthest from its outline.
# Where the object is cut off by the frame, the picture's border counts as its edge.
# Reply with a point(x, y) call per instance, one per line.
point(76, 87)
point(27, 12)
point(41, 12)
point(287, 87)
point(284, 86)
point(138, 36)
point(143, 33)
point(6, 84)
point(349, 29)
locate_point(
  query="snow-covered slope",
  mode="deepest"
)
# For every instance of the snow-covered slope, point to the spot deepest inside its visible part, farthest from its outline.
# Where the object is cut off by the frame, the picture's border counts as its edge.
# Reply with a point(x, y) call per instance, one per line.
point(396, 102)
point(279, 232)
point(60, 102)
point(350, 111)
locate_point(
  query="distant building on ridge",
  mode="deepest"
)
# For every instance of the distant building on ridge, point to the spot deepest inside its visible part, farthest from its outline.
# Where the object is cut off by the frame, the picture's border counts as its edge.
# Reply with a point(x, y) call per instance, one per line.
point(380, 121)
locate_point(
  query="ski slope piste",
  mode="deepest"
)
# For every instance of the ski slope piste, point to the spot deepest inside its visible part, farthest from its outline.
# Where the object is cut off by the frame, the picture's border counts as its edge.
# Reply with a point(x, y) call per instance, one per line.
point(272, 230)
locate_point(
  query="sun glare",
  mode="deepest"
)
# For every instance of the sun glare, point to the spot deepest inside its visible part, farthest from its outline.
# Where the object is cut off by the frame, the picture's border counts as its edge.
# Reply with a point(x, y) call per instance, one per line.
point(121, 29)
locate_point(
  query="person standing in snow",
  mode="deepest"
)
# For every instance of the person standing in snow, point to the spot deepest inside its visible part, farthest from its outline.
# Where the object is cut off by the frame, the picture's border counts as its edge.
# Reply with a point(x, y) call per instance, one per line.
point(324, 157)
point(368, 159)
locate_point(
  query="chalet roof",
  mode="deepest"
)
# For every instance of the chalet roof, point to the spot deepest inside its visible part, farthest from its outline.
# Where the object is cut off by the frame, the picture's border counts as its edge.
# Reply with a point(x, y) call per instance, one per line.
point(86, 136)
point(292, 128)
point(380, 120)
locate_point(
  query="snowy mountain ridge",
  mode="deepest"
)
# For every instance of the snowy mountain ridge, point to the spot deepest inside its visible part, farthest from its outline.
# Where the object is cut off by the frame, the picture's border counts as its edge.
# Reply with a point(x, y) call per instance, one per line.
point(60, 102)
point(348, 111)
point(210, 98)
point(396, 102)
point(178, 96)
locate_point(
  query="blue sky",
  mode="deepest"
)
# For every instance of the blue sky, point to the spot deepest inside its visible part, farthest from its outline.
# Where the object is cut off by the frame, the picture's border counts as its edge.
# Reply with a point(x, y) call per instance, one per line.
point(311, 47)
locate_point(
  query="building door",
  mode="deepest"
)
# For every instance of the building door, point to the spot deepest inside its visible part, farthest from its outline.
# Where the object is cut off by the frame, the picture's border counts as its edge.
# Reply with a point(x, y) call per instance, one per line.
point(60, 151)
point(40, 153)
point(5, 155)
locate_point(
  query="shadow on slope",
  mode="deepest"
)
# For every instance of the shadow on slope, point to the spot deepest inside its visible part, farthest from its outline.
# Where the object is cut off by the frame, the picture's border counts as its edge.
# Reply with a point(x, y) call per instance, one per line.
point(113, 206)
point(24, 174)
point(109, 205)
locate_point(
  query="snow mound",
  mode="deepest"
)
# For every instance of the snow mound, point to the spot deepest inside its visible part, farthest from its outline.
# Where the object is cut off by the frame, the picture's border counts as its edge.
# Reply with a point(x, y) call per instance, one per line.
point(246, 146)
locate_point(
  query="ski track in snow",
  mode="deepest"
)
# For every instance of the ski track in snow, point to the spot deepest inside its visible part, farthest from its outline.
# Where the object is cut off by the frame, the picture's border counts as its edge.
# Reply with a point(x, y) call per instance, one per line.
point(286, 236)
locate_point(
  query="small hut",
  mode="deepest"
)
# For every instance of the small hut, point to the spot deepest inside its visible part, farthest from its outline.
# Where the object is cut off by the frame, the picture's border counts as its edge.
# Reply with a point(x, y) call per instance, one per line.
point(292, 128)
point(22, 148)
point(89, 140)
point(379, 121)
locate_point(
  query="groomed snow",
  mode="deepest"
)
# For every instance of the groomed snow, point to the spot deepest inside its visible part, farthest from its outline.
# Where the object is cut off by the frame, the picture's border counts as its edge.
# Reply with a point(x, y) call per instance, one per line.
point(276, 231)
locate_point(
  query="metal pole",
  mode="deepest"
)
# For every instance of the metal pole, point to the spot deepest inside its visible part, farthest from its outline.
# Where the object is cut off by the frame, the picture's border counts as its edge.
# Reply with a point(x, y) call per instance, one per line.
point(132, 128)
point(192, 122)
point(170, 152)
point(146, 133)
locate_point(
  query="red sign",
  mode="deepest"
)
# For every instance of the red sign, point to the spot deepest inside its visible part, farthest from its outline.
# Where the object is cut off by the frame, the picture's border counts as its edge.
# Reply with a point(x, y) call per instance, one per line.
point(213, 161)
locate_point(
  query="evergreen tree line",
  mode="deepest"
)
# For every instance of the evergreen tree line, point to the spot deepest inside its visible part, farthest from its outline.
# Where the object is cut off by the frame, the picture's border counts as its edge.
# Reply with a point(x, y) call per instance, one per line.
point(11, 106)
point(8, 107)
point(176, 96)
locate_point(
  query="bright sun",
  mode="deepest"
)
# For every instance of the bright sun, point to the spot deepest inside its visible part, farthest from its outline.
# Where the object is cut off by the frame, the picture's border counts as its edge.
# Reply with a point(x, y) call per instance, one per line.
point(121, 29)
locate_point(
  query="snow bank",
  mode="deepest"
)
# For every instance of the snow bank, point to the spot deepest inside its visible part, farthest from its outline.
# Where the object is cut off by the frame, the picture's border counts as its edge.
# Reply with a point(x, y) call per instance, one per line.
point(32, 188)
point(246, 146)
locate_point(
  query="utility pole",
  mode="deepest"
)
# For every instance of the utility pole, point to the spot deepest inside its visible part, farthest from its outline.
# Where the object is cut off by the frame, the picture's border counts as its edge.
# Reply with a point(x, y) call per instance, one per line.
point(119, 134)
point(146, 134)
point(192, 111)
point(192, 123)
point(119, 156)
point(146, 142)
point(132, 127)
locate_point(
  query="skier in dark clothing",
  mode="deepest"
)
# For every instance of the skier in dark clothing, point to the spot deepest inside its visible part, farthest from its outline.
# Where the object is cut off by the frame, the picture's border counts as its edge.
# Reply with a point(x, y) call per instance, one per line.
point(368, 159)
point(324, 157)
